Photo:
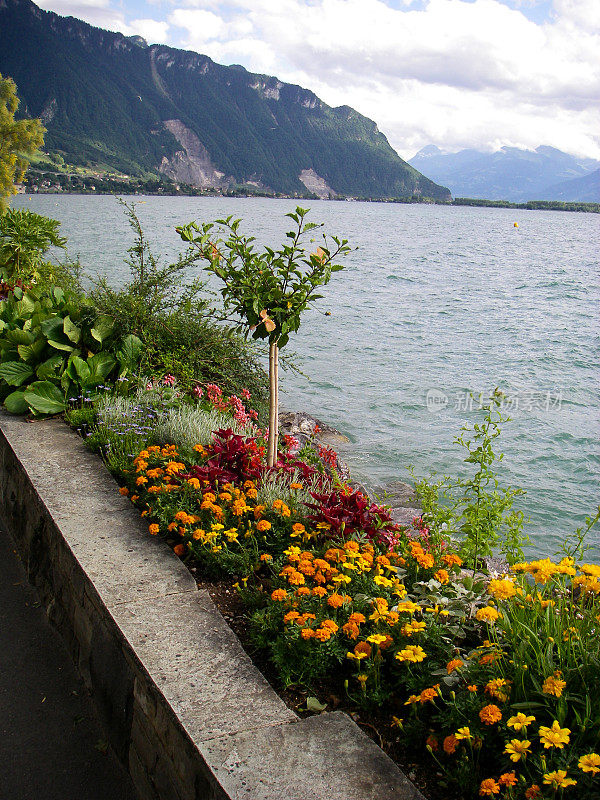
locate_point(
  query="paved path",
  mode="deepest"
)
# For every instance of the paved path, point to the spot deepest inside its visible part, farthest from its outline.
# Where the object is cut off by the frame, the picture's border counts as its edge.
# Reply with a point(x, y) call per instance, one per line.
point(51, 746)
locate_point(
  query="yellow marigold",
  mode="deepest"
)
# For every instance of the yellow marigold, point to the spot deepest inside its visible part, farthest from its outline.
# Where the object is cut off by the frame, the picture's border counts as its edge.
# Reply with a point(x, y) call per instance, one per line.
point(490, 714)
point(412, 653)
point(464, 733)
point(488, 614)
point(377, 638)
point(263, 525)
point(502, 589)
point(279, 595)
point(590, 763)
point(554, 736)
point(489, 787)
point(517, 749)
point(558, 779)
point(456, 663)
point(554, 684)
point(154, 529)
point(407, 607)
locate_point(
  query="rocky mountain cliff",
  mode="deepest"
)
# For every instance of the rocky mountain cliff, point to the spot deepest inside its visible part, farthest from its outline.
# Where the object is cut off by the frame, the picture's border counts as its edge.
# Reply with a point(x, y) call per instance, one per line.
point(115, 101)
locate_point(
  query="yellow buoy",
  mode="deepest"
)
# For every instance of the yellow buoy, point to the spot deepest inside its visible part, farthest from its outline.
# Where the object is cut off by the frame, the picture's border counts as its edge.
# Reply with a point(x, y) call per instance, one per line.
point(516, 224)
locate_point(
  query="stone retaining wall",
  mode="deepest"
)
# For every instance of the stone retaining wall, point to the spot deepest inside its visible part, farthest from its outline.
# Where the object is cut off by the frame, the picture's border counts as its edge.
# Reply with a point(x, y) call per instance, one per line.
point(184, 707)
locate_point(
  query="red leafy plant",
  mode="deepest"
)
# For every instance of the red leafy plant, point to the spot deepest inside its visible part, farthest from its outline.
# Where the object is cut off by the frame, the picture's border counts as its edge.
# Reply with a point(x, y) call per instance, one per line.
point(231, 458)
point(347, 512)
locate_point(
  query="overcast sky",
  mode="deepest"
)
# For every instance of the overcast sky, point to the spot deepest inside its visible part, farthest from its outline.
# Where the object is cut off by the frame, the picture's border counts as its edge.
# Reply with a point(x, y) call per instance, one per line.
point(456, 73)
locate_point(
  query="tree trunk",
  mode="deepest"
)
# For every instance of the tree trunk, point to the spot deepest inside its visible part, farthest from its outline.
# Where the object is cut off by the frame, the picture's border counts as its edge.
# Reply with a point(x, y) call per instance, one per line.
point(273, 404)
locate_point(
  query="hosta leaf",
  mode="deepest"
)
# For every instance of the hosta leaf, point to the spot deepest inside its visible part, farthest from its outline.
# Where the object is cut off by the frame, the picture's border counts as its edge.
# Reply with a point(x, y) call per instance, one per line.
point(19, 337)
point(15, 372)
point(15, 403)
point(45, 398)
point(71, 330)
point(50, 368)
point(100, 367)
point(103, 327)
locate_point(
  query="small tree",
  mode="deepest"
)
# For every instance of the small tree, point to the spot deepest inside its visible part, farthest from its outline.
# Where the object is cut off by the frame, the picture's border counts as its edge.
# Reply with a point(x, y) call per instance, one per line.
point(18, 139)
point(267, 289)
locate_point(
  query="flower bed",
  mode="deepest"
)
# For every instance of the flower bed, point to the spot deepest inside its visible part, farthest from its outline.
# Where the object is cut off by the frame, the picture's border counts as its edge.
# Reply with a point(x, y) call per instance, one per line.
point(494, 680)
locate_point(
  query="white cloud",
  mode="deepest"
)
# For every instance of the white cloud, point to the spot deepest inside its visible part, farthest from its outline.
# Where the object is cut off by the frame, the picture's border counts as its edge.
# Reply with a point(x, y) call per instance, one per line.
point(154, 31)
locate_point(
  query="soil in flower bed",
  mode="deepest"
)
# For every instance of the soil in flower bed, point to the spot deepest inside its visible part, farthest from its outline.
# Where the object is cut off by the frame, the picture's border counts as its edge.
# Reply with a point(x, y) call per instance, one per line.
point(228, 601)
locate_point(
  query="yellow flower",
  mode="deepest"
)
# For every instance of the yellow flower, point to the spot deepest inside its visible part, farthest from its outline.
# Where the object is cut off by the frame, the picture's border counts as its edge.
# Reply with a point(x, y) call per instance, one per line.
point(463, 733)
point(555, 736)
point(412, 653)
point(502, 589)
point(496, 688)
point(376, 638)
point(554, 685)
point(488, 614)
point(520, 721)
point(590, 763)
point(558, 779)
point(517, 749)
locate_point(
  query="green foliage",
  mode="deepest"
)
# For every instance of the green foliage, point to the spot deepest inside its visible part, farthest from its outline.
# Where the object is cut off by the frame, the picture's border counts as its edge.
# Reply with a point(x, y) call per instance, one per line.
point(18, 139)
point(476, 509)
point(268, 290)
point(25, 238)
point(53, 348)
point(174, 322)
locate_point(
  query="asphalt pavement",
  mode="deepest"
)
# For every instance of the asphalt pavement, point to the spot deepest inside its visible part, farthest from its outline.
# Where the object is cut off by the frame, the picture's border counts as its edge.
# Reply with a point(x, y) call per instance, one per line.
point(51, 744)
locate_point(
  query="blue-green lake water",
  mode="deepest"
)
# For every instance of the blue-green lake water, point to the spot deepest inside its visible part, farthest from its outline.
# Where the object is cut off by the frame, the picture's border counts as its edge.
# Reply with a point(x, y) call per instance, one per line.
point(436, 303)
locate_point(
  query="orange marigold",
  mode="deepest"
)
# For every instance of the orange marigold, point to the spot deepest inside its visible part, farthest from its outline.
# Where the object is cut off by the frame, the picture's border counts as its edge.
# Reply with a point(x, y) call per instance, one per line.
point(489, 787)
point(450, 744)
point(490, 714)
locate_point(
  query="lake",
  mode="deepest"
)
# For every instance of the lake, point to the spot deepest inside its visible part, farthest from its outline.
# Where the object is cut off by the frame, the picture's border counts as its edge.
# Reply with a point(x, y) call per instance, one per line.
point(435, 304)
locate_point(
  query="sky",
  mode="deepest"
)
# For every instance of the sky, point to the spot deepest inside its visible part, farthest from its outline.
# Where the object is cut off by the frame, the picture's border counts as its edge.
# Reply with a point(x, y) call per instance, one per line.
point(454, 73)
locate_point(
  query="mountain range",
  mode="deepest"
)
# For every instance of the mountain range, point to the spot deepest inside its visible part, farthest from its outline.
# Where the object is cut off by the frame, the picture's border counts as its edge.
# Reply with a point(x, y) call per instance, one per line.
point(512, 174)
point(114, 101)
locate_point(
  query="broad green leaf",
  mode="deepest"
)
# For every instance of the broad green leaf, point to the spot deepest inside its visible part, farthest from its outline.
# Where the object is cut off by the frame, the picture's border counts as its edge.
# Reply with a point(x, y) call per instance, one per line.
point(19, 337)
point(15, 372)
point(25, 307)
point(71, 330)
point(100, 367)
point(50, 368)
point(45, 398)
point(52, 327)
point(32, 352)
point(61, 345)
point(15, 403)
point(130, 351)
point(82, 371)
point(103, 327)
